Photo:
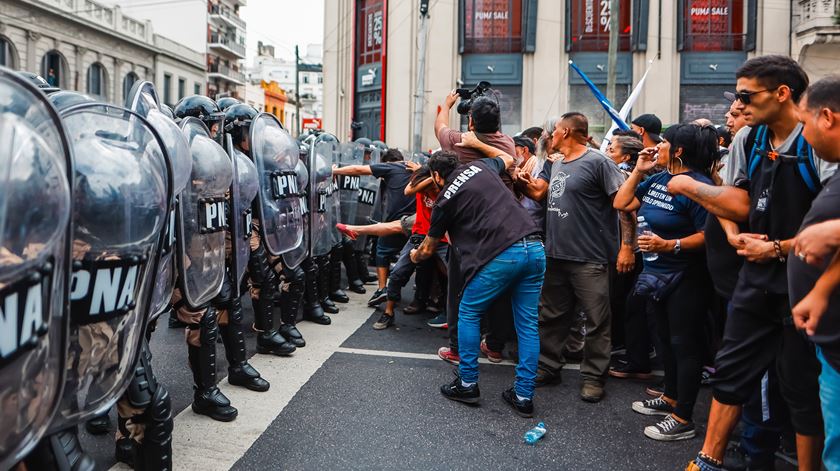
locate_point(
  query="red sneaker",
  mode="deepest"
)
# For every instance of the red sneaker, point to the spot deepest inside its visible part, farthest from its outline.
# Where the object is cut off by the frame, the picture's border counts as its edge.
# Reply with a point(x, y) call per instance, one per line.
point(446, 354)
point(494, 357)
point(344, 230)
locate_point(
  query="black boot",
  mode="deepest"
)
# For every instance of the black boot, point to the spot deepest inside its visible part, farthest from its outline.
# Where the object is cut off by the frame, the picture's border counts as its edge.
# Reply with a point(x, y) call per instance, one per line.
point(208, 399)
point(312, 310)
point(263, 276)
point(99, 425)
point(324, 285)
point(351, 269)
point(60, 451)
point(290, 305)
point(336, 293)
point(362, 264)
point(240, 372)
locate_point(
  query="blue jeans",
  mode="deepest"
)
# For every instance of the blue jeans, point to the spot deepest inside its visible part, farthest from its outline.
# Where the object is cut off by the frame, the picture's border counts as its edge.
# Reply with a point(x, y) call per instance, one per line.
point(830, 399)
point(520, 270)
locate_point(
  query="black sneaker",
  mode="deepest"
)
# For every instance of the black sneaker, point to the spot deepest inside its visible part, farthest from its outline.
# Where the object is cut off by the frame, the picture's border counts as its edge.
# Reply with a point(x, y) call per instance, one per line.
point(384, 322)
point(456, 392)
point(379, 296)
point(656, 406)
point(670, 429)
point(656, 390)
point(438, 322)
point(522, 408)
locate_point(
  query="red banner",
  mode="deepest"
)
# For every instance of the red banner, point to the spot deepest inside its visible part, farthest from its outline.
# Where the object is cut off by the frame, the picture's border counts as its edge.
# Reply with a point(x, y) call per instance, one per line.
point(590, 20)
point(312, 123)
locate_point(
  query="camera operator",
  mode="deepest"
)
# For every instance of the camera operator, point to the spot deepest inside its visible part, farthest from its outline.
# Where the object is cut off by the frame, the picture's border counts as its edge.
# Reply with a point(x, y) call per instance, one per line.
point(501, 251)
point(485, 121)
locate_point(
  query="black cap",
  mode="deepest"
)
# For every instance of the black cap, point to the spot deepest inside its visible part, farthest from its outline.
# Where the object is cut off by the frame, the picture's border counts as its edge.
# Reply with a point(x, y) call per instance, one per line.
point(651, 124)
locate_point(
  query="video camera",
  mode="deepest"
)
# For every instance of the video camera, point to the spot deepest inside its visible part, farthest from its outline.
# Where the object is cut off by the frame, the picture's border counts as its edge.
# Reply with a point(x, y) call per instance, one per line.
point(468, 95)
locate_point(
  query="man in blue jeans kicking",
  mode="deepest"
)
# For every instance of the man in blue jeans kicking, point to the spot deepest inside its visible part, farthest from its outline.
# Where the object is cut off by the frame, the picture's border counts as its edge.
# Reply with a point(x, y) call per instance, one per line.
point(500, 251)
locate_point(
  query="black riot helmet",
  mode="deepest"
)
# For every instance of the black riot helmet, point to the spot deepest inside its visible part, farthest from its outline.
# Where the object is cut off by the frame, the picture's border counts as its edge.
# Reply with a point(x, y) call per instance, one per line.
point(205, 109)
point(38, 81)
point(226, 102)
point(238, 120)
point(381, 146)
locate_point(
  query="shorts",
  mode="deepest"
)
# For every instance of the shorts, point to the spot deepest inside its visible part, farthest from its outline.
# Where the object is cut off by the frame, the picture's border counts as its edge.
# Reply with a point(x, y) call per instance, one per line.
point(388, 249)
point(759, 333)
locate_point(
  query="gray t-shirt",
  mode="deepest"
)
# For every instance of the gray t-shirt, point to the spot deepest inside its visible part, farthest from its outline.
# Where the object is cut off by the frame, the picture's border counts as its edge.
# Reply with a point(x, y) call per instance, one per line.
point(581, 224)
point(735, 168)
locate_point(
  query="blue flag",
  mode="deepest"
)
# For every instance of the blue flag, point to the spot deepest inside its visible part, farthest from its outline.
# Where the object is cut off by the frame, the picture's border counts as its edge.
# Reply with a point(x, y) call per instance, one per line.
point(608, 107)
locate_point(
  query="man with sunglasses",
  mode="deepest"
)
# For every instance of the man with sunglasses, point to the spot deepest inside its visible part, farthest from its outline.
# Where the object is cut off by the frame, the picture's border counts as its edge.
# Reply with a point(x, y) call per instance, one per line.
point(770, 181)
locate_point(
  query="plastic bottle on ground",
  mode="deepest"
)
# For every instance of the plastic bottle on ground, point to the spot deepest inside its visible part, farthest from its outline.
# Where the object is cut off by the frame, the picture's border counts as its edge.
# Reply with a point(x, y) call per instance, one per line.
point(535, 434)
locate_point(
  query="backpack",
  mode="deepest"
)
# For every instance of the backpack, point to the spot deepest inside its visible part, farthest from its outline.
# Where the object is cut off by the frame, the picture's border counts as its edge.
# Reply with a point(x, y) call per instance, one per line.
point(758, 143)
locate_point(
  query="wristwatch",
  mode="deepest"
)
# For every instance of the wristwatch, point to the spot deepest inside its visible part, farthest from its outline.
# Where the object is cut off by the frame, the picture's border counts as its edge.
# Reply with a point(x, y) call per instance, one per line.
point(677, 247)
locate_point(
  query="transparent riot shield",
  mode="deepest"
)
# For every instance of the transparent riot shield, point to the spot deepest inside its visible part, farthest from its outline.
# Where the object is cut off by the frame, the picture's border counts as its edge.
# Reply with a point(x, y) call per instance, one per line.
point(243, 190)
point(333, 200)
point(35, 175)
point(367, 196)
point(350, 153)
point(121, 195)
point(143, 100)
point(296, 256)
point(320, 204)
point(276, 155)
point(201, 221)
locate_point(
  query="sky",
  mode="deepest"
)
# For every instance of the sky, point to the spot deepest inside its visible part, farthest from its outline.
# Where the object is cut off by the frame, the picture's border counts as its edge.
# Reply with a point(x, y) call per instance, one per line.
point(283, 23)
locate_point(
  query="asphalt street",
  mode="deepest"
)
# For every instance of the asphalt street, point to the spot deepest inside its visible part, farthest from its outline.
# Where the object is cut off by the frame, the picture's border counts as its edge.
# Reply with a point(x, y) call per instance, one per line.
point(355, 398)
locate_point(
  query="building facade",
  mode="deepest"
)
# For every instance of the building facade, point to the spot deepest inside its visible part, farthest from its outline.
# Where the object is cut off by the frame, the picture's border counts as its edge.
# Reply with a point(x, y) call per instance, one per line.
point(523, 48)
point(225, 49)
point(269, 68)
point(93, 48)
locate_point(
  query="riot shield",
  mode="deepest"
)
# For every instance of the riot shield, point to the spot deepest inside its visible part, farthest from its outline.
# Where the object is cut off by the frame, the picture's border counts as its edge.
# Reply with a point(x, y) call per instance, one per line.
point(243, 190)
point(121, 194)
point(320, 204)
point(201, 219)
point(333, 199)
point(296, 256)
point(276, 155)
point(35, 172)
point(367, 197)
point(143, 100)
point(350, 153)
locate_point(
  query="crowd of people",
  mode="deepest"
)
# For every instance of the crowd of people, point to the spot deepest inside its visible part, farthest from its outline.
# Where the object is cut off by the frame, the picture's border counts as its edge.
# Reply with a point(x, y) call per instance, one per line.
point(708, 250)
point(712, 252)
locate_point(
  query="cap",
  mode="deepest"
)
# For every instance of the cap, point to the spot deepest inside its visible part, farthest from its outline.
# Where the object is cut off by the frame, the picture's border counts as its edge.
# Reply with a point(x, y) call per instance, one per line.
point(729, 96)
point(651, 124)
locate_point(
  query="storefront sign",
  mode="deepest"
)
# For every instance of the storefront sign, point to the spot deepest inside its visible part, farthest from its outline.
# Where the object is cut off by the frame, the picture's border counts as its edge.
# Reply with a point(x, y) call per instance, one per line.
point(714, 25)
point(312, 123)
point(492, 26)
point(590, 21)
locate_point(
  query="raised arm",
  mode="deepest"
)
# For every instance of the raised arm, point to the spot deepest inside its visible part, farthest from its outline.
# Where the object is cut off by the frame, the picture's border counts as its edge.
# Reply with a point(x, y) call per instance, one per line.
point(442, 118)
point(352, 170)
point(421, 185)
point(469, 139)
point(727, 202)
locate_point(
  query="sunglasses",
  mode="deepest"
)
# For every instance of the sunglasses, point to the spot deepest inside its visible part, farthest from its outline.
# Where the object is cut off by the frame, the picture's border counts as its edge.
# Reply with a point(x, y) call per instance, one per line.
point(746, 97)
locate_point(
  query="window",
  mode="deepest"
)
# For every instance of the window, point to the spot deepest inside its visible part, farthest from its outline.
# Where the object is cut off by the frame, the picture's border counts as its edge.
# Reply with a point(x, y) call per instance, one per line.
point(167, 89)
point(590, 25)
point(492, 26)
point(320, 79)
point(306, 78)
point(7, 53)
point(712, 25)
point(197, 89)
point(96, 79)
point(128, 82)
point(182, 88)
point(53, 66)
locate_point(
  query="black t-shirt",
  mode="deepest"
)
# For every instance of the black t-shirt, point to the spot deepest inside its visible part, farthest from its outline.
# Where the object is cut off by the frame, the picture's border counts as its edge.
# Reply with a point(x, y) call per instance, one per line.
point(395, 178)
point(802, 277)
point(482, 217)
point(721, 257)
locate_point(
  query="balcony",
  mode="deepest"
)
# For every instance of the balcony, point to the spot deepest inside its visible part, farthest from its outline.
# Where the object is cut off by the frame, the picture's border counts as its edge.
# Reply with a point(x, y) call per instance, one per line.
point(226, 15)
point(223, 72)
point(226, 44)
point(818, 18)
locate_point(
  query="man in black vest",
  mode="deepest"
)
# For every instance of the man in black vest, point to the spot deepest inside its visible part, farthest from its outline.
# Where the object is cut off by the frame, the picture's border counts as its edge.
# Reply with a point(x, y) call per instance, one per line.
point(776, 178)
point(501, 251)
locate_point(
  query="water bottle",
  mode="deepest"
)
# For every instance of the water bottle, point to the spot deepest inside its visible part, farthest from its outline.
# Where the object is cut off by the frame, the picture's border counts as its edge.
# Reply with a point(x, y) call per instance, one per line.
point(535, 434)
point(643, 228)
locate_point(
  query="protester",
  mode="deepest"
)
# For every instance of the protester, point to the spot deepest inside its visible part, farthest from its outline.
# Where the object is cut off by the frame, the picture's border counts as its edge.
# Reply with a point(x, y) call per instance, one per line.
point(533, 133)
point(649, 127)
point(485, 121)
point(735, 117)
point(425, 193)
point(772, 193)
point(676, 280)
point(814, 266)
point(582, 238)
point(624, 151)
point(532, 165)
point(395, 176)
point(500, 251)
